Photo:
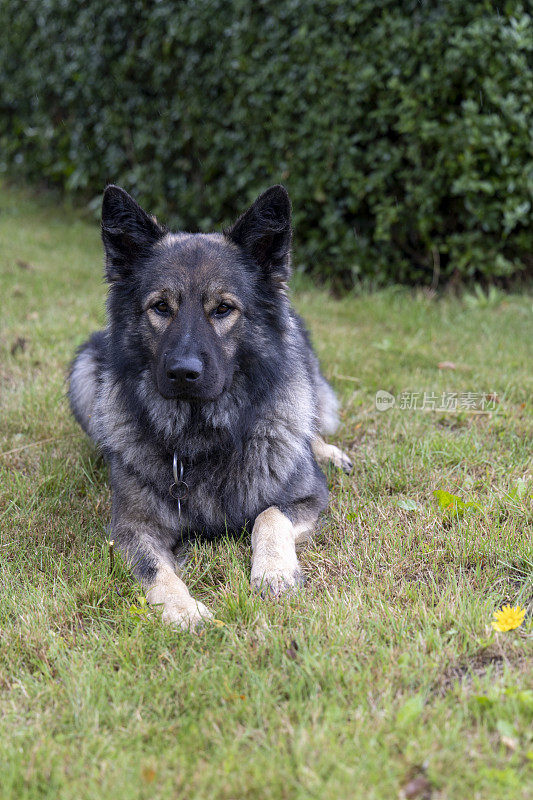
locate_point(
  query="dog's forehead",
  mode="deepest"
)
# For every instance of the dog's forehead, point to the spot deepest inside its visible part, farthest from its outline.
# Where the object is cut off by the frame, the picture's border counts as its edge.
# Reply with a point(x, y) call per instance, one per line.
point(191, 260)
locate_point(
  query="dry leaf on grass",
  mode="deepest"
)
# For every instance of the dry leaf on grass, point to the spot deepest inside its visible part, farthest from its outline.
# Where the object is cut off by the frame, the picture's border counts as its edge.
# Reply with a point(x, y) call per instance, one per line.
point(419, 787)
point(19, 344)
point(446, 365)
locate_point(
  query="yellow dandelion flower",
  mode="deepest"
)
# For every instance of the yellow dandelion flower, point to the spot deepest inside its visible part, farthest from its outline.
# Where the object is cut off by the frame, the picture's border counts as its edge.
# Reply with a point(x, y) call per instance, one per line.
point(507, 618)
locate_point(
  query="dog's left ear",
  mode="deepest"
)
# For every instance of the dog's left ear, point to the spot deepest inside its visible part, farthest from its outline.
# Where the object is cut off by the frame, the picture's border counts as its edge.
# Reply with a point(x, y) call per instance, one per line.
point(264, 232)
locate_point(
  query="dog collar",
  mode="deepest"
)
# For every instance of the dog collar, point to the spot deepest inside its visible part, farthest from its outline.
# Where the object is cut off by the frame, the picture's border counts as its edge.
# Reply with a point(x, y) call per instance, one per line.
point(179, 490)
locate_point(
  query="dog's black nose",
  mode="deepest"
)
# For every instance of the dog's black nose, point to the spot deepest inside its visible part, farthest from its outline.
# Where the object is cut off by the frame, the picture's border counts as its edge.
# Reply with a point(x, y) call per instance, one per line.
point(184, 369)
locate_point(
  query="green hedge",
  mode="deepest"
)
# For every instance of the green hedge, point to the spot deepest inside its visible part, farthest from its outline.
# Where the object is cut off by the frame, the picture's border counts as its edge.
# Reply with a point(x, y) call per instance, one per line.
point(402, 129)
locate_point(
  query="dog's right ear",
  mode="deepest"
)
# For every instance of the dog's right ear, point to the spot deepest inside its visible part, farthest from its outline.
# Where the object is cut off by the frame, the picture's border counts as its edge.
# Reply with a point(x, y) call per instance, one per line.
point(128, 232)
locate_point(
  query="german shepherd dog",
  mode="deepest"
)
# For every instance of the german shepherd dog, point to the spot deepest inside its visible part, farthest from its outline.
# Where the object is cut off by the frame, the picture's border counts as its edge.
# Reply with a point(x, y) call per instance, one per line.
point(205, 397)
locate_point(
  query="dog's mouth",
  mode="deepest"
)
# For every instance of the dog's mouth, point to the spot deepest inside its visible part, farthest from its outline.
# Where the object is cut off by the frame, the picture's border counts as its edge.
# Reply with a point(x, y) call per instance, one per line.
point(199, 400)
point(198, 396)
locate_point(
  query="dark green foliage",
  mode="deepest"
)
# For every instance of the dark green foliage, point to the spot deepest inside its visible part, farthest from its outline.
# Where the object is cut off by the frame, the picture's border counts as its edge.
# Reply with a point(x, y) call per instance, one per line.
point(402, 129)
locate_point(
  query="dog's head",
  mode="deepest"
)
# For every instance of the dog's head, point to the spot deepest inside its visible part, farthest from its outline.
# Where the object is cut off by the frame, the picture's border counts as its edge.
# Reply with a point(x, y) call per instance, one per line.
point(186, 305)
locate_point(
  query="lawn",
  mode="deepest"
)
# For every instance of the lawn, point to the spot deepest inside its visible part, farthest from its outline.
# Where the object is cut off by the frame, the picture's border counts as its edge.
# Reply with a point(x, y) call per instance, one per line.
point(382, 677)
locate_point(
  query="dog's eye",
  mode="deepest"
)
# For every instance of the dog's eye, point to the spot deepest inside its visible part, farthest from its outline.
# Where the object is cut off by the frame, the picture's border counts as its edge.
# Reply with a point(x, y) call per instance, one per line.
point(222, 310)
point(162, 307)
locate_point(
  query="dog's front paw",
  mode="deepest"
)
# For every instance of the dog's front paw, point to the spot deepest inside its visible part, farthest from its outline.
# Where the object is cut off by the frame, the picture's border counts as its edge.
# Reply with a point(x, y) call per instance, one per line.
point(346, 464)
point(330, 454)
point(180, 610)
point(277, 582)
point(340, 459)
point(188, 616)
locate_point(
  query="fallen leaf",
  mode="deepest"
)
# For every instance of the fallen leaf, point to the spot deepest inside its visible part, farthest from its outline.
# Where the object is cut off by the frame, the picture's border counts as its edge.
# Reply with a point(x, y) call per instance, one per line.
point(518, 492)
point(410, 710)
point(19, 344)
point(446, 365)
point(505, 729)
point(292, 650)
point(148, 774)
point(418, 787)
point(452, 503)
point(408, 505)
point(232, 697)
point(509, 742)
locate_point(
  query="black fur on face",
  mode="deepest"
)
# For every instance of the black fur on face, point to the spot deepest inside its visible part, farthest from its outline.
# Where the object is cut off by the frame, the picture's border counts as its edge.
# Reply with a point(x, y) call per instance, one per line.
point(187, 306)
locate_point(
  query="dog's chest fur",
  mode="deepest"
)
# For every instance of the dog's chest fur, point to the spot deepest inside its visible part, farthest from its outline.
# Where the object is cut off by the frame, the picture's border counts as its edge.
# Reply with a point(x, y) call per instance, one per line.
point(236, 458)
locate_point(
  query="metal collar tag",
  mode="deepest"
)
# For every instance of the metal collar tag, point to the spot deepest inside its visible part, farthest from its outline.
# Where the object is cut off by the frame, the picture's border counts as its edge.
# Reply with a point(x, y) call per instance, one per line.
point(179, 490)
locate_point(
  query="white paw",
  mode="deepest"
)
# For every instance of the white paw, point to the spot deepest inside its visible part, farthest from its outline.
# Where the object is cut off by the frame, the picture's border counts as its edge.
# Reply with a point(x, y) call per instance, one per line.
point(340, 459)
point(346, 463)
point(188, 616)
point(277, 581)
point(330, 454)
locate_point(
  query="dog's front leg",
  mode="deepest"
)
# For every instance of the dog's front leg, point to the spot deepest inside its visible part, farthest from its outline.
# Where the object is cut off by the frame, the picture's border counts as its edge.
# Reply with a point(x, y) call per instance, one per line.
point(275, 566)
point(151, 560)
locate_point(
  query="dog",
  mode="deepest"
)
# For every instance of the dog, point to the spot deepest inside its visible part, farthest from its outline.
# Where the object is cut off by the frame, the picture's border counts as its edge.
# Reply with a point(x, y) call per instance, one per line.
point(205, 397)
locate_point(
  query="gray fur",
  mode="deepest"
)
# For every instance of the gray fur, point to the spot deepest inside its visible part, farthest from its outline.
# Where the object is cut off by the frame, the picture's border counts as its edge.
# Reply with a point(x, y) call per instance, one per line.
point(246, 449)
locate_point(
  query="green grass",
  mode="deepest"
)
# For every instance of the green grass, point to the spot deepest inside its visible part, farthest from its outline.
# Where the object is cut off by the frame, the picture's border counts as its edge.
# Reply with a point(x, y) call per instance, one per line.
point(383, 669)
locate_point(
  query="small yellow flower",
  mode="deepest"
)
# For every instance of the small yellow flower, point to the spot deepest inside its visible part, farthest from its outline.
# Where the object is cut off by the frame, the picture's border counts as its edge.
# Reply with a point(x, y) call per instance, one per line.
point(508, 618)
